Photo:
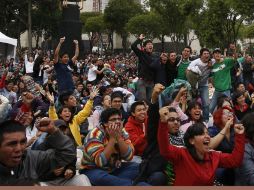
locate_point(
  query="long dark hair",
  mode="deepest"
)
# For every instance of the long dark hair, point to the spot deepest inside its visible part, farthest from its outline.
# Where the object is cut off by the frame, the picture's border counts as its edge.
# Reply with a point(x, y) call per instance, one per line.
point(194, 130)
point(192, 104)
point(60, 111)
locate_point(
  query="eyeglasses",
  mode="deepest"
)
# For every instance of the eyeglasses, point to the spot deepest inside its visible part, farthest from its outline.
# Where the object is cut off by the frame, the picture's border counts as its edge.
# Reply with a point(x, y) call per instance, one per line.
point(173, 119)
point(115, 119)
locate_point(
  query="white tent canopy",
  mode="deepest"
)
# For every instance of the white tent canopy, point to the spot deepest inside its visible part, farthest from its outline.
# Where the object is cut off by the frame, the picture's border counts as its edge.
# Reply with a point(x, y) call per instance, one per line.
point(7, 46)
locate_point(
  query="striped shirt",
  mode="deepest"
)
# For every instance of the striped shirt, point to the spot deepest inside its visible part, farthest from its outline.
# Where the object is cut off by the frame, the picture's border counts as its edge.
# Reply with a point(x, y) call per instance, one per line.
point(94, 145)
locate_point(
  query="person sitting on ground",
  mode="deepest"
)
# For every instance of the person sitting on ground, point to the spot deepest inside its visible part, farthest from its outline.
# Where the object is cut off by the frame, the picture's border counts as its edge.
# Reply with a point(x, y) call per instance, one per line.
point(117, 102)
point(74, 121)
point(195, 164)
point(21, 166)
point(66, 175)
point(104, 149)
point(106, 103)
point(137, 128)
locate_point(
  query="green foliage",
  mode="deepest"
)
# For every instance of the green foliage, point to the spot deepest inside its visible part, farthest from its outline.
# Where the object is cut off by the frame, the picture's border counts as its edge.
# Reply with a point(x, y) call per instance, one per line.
point(46, 16)
point(95, 24)
point(150, 24)
point(13, 17)
point(118, 13)
point(86, 15)
point(220, 22)
point(249, 31)
point(176, 15)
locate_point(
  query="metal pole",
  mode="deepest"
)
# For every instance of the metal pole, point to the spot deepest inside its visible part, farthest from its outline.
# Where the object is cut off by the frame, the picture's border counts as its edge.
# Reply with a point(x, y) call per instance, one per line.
point(29, 27)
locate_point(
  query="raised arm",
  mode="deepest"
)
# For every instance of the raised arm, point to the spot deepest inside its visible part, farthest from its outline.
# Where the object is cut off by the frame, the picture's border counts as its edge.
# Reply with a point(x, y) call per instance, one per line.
point(76, 51)
point(52, 110)
point(175, 104)
point(157, 90)
point(86, 111)
point(64, 150)
point(216, 140)
point(134, 47)
point(168, 151)
point(56, 55)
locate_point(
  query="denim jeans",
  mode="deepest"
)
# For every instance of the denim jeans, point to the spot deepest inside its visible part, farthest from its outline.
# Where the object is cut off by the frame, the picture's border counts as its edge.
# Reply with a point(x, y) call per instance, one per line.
point(216, 95)
point(122, 176)
point(144, 90)
point(204, 94)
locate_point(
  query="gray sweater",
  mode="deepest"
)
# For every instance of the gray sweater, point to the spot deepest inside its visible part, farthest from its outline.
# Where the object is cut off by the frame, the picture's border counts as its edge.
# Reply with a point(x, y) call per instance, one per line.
point(244, 175)
point(35, 164)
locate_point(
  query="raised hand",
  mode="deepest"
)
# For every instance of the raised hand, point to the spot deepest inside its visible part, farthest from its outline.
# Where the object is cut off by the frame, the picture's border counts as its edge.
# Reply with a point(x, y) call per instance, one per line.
point(183, 90)
point(158, 88)
point(164, 114)
point(94, 93)
point(46, 125)
point(239, 129)
point(75, 42)
point(50, 97)
point(229, 123)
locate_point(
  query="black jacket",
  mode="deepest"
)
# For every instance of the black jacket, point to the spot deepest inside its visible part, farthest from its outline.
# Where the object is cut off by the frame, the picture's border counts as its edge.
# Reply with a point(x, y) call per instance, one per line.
point(145, 60)
point(35, 164)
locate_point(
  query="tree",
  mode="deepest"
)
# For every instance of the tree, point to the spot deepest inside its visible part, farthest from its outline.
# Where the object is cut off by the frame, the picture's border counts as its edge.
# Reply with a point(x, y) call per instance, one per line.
point(15, 18)
point(118, 13)
point(46, 16)
point(150, 24)
point(86, 15)
point(212, 30)
point(95, 26)
point(175, 15)
point(249, 31)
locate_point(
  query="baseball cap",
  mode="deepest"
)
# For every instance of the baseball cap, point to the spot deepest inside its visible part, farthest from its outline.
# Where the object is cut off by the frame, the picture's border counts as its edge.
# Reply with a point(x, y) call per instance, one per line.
point(216, 50)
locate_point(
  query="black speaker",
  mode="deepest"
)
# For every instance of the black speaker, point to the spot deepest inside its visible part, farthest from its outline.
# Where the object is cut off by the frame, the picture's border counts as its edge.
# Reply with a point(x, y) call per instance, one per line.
point(71, 28)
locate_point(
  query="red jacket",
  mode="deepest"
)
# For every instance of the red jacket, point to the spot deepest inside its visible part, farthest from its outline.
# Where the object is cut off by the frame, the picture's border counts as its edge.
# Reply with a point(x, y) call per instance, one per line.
point(190, 172)
point(2, 82)
point(136, 134)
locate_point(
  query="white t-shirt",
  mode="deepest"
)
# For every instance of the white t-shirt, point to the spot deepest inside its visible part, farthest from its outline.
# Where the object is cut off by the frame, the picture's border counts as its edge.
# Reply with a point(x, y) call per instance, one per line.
point(91, 76)
point(29, 67)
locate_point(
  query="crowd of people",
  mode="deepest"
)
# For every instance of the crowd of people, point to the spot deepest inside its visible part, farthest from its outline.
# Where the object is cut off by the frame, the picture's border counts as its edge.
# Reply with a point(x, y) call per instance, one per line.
point(143, 119)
